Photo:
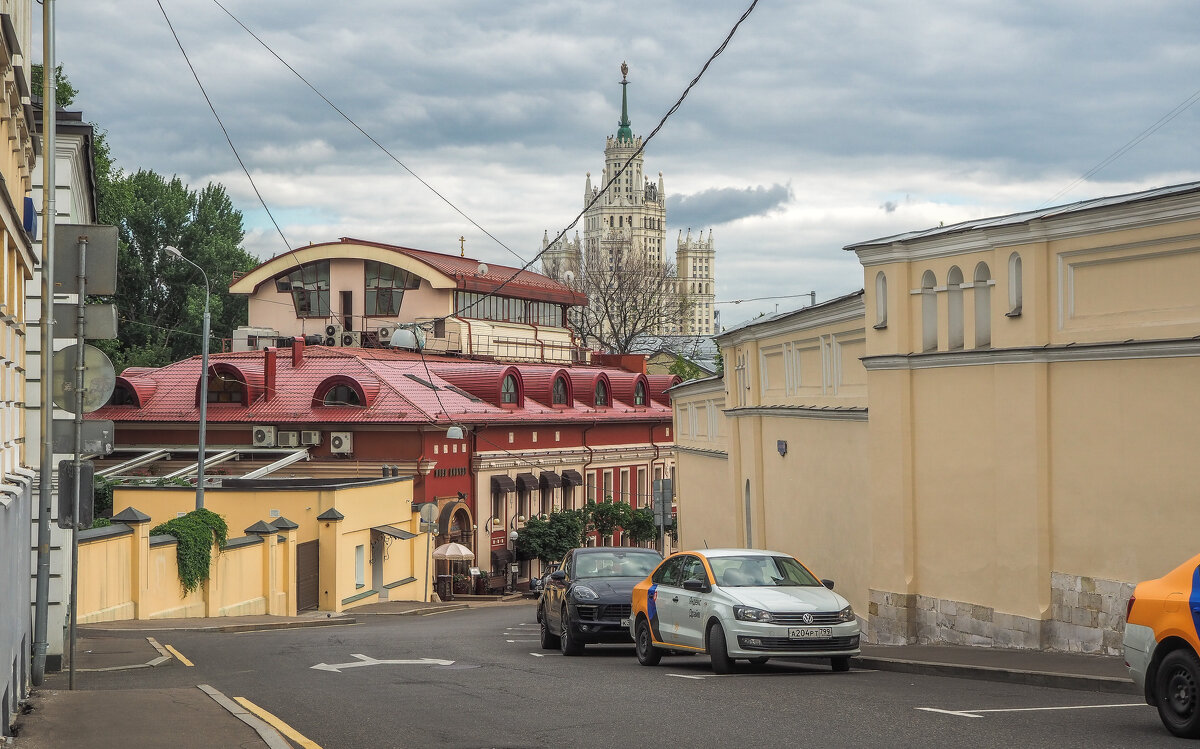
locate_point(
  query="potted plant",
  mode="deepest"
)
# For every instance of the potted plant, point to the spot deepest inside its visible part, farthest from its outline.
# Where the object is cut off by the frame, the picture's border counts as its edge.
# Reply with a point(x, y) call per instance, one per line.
point(462, 583)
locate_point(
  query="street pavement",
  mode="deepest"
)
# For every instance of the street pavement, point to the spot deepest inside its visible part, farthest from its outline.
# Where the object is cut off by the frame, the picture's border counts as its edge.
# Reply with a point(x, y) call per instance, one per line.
point(136, 689)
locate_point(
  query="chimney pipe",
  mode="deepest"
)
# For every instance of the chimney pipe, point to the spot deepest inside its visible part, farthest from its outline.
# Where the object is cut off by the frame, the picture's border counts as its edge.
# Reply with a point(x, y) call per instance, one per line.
point(270, 352)
point(297, 351)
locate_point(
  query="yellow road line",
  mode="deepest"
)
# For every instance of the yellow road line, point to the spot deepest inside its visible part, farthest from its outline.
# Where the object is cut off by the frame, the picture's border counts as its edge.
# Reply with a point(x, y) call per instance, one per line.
point(179, 655)
point(278, 724)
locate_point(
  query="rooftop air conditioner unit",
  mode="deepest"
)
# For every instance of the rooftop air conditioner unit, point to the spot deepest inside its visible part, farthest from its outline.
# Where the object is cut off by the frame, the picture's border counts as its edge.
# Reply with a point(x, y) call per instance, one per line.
point(288, 439)
point(385, 332)
point(310, 438)
point(264, 436)
point(351, 338)
point(341, 443)
point(333, 334)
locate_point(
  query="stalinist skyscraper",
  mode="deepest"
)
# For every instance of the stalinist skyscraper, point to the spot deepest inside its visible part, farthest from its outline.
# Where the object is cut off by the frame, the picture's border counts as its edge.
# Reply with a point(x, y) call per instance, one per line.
point(631, 217)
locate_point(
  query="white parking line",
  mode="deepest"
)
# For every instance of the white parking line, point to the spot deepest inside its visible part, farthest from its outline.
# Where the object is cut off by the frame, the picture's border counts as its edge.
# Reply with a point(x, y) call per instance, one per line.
point(538, 655)
point(688, 676)
point(521, 641)
point(976, 713)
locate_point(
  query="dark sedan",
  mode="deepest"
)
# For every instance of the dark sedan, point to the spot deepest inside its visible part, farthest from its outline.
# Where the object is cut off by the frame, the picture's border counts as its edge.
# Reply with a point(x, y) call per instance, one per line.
point(587, 600)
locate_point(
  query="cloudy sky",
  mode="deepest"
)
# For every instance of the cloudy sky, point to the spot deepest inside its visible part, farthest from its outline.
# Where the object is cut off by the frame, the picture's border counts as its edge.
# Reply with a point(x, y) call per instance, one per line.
point(825, 122)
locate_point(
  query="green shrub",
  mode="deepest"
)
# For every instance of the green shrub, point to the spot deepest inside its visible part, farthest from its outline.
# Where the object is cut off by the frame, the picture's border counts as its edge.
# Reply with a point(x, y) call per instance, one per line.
point(101, 523)
point(196, 532)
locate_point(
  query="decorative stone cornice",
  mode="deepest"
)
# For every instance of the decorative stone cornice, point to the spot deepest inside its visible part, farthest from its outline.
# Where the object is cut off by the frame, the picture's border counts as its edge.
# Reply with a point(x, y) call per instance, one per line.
point(834, 413)
point(718, 454)
point(1165, 349)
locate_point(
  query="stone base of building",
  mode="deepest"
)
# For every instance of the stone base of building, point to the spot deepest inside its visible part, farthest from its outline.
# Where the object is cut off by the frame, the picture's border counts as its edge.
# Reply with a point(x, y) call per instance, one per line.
point(1087, 615)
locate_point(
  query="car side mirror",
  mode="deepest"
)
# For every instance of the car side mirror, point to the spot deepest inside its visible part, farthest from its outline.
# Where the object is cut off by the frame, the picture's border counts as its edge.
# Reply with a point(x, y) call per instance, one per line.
point(696, 585)
point(827, 583)
point(558, 575)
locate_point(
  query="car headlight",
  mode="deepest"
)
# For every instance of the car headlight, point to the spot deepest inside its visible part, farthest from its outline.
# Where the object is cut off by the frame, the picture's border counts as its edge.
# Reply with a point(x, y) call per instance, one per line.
point(584, 593)
point(748, 614)
point(846, 615)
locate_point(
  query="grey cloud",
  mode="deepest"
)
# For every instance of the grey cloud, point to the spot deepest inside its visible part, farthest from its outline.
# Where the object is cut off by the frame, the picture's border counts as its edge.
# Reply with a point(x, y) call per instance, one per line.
point(722, 205)
point(890, 206)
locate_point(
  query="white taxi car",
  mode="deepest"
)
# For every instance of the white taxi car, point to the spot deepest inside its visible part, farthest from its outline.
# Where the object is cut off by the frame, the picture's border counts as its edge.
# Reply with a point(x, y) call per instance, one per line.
point(746, 604)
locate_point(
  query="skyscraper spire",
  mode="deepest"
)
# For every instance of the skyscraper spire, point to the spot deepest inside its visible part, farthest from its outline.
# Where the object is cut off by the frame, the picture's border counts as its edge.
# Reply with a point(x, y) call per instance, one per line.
point(623, 130)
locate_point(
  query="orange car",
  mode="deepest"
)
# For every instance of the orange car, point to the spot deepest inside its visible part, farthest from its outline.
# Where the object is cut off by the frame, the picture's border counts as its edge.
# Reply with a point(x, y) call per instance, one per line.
point(1162, 640)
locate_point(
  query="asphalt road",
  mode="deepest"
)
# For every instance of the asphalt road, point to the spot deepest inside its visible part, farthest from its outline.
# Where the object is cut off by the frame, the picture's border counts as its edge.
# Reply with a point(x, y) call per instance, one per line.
point(502, 690)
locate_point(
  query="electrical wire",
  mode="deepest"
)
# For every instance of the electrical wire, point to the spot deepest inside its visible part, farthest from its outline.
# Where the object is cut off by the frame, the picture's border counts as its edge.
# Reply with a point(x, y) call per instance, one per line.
point(1178, 110)
point(763, 298)
point(368, 136)
point(228, 140)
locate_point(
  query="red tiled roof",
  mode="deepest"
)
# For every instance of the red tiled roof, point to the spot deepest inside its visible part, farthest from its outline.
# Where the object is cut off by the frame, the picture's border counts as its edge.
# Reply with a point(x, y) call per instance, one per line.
point(141, 387)
point(404, 395)
point(539, 383)
point(625, 383)
point(659, 384)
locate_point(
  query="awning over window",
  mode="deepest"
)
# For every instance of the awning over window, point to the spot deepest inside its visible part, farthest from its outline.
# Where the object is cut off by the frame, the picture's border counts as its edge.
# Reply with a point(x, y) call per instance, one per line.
point(550, 480)
point(526, 482)
point(502, 484)
point(572, 478)
point(394, 532)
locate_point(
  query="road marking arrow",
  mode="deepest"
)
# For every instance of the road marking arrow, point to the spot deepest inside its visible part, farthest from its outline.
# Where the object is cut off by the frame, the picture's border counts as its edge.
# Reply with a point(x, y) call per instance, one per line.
point(366, 660)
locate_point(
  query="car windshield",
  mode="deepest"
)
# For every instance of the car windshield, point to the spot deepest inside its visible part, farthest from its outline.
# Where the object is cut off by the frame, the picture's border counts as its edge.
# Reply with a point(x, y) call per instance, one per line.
point(760, 571)
point(616, 563)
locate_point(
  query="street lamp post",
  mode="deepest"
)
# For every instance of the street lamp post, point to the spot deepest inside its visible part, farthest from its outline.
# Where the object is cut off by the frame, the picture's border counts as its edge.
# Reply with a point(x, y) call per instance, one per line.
point(203, 379)
point(512, 563)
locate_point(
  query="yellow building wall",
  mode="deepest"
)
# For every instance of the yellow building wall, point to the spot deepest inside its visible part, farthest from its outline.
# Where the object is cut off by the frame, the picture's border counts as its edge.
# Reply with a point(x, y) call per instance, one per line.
point(238, 588)
point(240, 508)
point(163, 597)
point(105, 585)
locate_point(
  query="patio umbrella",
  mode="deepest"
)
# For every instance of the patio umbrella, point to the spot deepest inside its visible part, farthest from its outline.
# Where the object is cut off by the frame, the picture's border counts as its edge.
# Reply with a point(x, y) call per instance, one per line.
point(453, 552)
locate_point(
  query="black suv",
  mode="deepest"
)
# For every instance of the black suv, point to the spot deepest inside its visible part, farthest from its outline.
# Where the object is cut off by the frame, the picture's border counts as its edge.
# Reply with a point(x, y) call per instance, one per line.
point(588, 599)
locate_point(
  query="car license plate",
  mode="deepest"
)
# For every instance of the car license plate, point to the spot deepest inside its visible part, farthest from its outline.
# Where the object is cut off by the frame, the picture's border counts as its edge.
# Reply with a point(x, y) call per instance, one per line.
point(626, 623)
point(809, 633)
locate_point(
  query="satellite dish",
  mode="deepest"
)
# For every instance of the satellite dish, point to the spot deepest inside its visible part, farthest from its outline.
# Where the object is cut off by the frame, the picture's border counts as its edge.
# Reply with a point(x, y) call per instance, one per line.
point(482, 270)
point(569, 276)
point(99, 378)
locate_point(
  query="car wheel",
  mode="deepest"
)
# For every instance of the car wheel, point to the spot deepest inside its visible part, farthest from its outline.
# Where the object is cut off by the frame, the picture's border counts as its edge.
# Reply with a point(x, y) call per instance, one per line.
point(1177, 687)
point(840, 663)
point(718, 651)
point(647, 653)
point(549, 641)
point(568, 644)
point(759, 660)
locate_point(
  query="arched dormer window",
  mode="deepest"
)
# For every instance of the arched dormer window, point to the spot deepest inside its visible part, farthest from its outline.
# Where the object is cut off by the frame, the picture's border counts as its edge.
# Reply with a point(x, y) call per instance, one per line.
point(639, 394)
point(929, 315)
point(341, 395)
point(880, 301)
point(983, 306)
point(1014, 286)
point(122, 395)
point(560, 391)
point(225, 389)
point(508, 390)
point(954, 309)
point(601, 393)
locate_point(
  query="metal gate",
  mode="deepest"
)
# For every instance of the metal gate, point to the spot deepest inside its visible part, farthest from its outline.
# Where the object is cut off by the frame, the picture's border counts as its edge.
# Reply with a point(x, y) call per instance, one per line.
point(308, 575)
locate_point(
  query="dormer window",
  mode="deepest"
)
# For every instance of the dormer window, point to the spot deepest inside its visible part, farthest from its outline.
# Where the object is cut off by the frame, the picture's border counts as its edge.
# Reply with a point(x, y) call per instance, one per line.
point(639, 394)
point(225, 390)
point(342, 395)
point(560, 391)
point(122, 395)
point(601, 393)
point(508, 390)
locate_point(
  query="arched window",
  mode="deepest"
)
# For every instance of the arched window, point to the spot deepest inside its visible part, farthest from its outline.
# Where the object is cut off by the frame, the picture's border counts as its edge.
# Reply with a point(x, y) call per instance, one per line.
point(342, 395)
point(1014, 285)
point(560, 391)
point(983, 306)
point(508, 389)
point(601, 393)
point(122, 395)
point(929, 316)
point(880, 300)
point(225, 390)
point(639, 394)
point(954, 308)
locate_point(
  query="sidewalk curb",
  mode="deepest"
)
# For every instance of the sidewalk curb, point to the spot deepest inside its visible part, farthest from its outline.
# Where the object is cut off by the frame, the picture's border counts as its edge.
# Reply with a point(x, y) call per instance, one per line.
point(989, 673)
point(163, 657)
point(336, 622)
point(266, 732)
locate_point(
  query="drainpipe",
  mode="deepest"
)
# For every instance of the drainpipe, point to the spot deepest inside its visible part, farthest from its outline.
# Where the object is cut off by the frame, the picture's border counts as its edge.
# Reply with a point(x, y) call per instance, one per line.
point(45, 497)
point(470, 336)
point(540, 342)
point(591, 454)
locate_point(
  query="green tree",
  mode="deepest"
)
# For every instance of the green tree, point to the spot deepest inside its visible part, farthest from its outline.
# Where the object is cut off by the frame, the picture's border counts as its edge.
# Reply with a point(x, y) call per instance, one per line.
point(161, 299)
point(64, 91)
point(639, 526)
point(719, 364)
point(608, 515)
point(551, 538)
point(685, 369)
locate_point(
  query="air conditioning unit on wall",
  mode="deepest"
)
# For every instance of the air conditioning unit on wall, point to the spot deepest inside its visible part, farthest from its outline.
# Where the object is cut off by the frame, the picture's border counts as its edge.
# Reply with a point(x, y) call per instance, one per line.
point(310, 438)
point(341, 443)
point(264, 436)
point(333, 334)
point(288, 439)
point(351, 338)
point(385, 333)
